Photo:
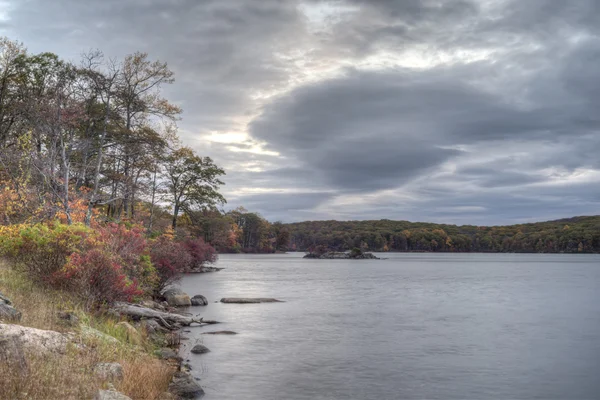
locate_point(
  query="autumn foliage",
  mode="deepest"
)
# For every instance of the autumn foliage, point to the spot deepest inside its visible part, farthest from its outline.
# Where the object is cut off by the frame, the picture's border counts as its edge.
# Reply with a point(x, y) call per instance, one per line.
point(105, 264)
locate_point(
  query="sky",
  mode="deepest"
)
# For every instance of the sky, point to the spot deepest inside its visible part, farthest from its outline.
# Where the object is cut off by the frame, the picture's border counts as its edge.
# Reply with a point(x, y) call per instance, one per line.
point(457, 111)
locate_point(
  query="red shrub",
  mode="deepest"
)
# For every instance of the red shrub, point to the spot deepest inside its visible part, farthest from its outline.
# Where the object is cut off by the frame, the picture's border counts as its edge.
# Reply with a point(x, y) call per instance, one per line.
point(128, 244)
point(200, 252)
point(170, 260)
point(99, 278)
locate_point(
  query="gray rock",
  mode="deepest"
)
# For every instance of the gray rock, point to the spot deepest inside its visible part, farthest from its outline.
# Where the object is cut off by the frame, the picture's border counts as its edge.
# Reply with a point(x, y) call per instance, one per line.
point(11, 352)
point(334, 255)
point(39, 341)
point(9, 313)
point(91, 333)
point(112, 372)
point(248, 300)
point(177, 298)
point(200, 349)
point(168, 354)
point(220, 333)
point(203, 269)
point(68, 317)
point(151, 326)
point(4, 299)
point(199, 300)
point(110, 395)
point(184, 386)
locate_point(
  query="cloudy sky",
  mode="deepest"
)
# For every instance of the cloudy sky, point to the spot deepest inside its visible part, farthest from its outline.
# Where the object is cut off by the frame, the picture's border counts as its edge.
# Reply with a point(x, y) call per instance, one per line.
point(466, 111)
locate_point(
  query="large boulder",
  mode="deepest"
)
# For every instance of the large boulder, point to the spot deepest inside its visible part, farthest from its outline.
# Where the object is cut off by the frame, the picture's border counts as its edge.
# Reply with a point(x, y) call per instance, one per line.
point(37, 340)
point(112, 372)
point(200, 349)
point(9, 313)
point(177, 298)
point(184, 386)
point(11, 353)
point(248, 300)
point(199, 300)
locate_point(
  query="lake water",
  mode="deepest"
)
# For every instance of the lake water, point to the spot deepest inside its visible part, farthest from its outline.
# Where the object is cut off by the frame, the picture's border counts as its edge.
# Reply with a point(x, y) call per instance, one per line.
point(414, 326)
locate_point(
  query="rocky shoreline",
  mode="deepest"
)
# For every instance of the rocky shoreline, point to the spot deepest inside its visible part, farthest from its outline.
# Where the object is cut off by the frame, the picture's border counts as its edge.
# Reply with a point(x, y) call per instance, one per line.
point(163, 322)
point(184, 383)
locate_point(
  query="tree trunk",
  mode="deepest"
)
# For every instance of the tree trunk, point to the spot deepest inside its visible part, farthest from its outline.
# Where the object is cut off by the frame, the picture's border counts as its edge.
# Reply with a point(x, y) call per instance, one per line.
point(92, 201)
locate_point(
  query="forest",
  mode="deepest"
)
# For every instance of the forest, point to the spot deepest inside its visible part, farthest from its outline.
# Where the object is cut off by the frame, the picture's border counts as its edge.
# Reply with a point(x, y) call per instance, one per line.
point(572, 235)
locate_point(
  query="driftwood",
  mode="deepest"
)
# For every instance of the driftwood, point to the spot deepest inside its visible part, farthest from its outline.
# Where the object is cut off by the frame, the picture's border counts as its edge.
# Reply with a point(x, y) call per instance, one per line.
point(168, 320)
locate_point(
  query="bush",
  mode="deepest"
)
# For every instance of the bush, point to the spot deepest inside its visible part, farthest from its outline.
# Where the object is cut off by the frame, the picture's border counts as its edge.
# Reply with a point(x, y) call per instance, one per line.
point(98, 277)
point(42, 249)
point(170, 260)
point(200, 252)
point(131, 249)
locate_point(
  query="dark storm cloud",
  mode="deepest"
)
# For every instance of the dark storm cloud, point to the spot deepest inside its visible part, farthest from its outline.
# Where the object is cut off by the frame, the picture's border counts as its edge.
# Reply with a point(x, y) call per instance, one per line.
point(497, 120)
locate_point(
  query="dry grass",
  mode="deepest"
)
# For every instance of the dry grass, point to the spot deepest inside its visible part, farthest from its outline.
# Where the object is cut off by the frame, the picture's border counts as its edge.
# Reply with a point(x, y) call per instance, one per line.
point(69, 376)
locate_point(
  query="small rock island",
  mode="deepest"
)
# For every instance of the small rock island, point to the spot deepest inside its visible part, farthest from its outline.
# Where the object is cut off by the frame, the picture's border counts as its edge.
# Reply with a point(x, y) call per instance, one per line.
point(354, 254)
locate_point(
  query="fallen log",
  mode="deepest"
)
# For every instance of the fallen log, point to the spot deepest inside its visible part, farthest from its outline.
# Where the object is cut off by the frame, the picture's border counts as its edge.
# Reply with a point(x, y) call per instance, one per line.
point(164, 318)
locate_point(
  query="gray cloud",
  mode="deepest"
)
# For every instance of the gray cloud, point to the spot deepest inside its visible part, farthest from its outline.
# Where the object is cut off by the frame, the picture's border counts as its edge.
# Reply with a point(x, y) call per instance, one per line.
point(456, 111)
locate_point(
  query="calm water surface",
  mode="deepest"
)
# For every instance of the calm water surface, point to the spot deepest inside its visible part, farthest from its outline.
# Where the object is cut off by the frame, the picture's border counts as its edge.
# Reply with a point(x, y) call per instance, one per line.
point(414, 326)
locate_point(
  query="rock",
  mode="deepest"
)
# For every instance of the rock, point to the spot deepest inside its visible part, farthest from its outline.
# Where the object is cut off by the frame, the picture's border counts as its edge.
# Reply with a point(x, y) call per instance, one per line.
point(248, 300)
point(151, 326)
point(9, 313)
point(131, 334)
point(91, 333)
point(4, 299)
point(220, 333)
point(68, 317)
point(334, 255)
point(167, 396)
point(184, 386)
point(177, 298)
point(110, 395)
point(157, 339)
point(200, 349)
point(37, 340)
point(204, 269)
point(168, 354)
point(112, 372)
point(11, 352)
point(199, 300)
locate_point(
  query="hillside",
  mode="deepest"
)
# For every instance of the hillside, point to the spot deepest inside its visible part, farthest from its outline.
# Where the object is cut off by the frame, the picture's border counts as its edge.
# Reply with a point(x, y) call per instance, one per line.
point(570, 235)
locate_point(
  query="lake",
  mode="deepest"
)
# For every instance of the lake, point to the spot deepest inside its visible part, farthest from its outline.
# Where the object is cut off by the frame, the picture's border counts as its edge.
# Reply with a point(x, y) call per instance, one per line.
point(413, 326)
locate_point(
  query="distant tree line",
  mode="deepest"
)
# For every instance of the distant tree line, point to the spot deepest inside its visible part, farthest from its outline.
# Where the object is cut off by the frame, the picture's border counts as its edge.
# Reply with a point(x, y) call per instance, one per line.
point(573, 235)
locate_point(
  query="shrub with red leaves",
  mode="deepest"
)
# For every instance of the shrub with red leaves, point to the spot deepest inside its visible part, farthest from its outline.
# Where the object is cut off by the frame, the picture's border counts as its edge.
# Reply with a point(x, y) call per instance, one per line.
point(170, 260)
point(200, 252)
point(128, 244)
point(99, 278)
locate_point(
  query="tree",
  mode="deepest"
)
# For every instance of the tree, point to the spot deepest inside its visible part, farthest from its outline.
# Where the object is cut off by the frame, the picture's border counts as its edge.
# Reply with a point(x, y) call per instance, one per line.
point(192, 181)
